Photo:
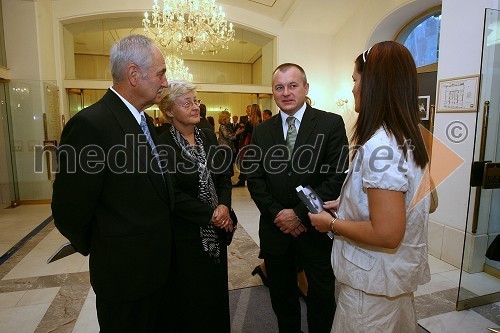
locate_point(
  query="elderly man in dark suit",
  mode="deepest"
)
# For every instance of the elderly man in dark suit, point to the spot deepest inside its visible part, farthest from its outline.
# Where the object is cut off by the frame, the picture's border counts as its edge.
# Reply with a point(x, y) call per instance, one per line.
point(298, 146)
point(112, 198)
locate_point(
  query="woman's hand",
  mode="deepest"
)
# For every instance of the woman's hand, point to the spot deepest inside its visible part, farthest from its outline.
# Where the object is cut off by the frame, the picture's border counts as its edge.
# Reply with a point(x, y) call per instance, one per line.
point(221, 218)
point(321, 221)
point(332, 205)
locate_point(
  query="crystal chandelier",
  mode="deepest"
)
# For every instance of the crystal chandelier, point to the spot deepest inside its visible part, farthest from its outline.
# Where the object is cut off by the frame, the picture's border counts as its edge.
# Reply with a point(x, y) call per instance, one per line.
point(189, 25)
point(176, 69)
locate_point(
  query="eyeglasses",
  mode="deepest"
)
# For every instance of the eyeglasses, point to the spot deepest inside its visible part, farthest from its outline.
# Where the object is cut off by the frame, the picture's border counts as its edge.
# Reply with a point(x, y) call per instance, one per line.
point(189, 104)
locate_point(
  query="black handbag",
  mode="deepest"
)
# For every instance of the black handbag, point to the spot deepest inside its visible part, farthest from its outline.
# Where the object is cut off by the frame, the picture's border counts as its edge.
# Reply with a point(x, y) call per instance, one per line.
point(229, 235)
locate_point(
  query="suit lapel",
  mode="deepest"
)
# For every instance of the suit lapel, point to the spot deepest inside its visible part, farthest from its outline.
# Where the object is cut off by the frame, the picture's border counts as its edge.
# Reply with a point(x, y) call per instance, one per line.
point(307, 126)
point(158, 180)
point(123, 116)
point(132, 130)
point(277, 130)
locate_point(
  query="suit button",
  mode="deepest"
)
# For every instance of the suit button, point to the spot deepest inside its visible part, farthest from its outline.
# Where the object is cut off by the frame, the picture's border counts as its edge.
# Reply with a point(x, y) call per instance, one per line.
point(289, 174)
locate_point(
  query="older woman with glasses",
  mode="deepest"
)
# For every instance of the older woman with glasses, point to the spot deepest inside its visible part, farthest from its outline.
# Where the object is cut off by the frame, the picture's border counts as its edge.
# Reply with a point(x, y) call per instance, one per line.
point(199, 277)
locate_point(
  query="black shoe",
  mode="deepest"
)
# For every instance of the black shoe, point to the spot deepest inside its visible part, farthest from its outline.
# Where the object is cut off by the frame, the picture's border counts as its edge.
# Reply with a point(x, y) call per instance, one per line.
point(239, 184)
point(258, 270)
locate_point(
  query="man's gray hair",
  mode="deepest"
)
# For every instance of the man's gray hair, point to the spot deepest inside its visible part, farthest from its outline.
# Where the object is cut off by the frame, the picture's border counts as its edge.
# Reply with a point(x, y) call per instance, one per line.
point(133, 49)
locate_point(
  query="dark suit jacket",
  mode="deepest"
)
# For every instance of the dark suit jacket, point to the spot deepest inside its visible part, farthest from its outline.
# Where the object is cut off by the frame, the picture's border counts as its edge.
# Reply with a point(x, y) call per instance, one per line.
point(243, 119)
point(109, 202)
point(204, 124)
point(319, 160)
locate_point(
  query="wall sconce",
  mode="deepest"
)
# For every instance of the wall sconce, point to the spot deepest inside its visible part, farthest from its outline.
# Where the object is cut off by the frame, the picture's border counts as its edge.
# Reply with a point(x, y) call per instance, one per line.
point(341, 102)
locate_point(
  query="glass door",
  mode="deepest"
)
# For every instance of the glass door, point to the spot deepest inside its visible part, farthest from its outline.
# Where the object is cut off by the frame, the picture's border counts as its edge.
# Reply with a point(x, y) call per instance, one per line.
point(480, 273)
point(9, 192)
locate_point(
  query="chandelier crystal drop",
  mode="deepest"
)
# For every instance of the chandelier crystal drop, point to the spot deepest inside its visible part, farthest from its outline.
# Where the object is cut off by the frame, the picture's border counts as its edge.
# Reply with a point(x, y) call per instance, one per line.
point(189, 25)
point(176, 69)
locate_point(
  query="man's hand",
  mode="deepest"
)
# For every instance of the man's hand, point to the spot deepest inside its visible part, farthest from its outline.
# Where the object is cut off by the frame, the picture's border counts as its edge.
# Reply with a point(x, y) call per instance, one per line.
point(287, 221)
point(300, 229)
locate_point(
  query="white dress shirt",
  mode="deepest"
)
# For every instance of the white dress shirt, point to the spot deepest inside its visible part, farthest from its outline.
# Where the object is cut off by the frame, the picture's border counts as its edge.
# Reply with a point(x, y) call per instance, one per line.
point(298, 119)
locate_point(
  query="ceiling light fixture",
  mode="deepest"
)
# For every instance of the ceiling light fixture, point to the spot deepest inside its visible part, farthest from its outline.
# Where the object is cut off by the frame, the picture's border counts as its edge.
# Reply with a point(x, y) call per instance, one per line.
point(189, 25)
point(176, 69)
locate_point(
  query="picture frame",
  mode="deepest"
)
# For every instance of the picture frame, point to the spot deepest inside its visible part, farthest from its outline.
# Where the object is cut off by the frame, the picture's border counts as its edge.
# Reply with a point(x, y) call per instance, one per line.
point(423, 106)
point(458, 94)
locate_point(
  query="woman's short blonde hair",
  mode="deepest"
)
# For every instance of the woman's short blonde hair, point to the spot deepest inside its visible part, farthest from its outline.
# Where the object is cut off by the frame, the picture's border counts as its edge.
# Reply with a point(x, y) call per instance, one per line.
point(176, 89)
point(224, 115)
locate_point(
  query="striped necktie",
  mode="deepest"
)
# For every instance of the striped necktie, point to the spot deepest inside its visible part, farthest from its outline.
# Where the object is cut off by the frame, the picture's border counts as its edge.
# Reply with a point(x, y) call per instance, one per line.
point(145, 129)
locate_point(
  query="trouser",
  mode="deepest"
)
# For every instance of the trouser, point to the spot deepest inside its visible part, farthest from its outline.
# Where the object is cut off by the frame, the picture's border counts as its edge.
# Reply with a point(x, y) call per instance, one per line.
point(148, 314)
point(282, 277)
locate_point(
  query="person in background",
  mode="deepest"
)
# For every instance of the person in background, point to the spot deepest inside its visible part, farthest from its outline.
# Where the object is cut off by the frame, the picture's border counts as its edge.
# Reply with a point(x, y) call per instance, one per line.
point(204, 123)
point(380, 249)
point(287, 238)
point(211, 121)
point(236, 140)
point(200, 280)
point(266, 114)
point(254, 118)
point(235, 123)
point(244, 119)
point(227, 134)
point(165, 126)
point(119, 210)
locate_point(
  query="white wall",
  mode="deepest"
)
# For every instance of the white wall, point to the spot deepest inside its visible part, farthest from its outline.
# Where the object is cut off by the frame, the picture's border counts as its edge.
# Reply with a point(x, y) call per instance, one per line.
point(45, 35)
point(314, 52)
point(21, 42)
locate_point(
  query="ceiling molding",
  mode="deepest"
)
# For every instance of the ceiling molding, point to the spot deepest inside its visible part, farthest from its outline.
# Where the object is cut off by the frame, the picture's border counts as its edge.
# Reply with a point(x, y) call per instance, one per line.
point(267, 3)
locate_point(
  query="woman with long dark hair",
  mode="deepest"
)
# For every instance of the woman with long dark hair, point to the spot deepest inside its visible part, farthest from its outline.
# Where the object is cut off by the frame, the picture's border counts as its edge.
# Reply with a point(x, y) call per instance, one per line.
point(254, 118)
point(379, 254)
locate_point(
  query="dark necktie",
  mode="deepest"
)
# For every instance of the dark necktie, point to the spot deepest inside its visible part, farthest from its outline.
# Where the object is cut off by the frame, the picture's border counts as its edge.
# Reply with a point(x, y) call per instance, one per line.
point(145, 129)
point(291, 134)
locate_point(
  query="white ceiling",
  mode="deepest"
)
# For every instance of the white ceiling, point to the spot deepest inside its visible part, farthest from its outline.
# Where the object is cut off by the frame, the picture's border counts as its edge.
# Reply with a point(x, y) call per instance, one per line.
point(96, 37)
point(309, 15)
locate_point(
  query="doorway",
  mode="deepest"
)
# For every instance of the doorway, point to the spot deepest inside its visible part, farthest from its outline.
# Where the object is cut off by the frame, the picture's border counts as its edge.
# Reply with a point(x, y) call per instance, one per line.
point(480, 273)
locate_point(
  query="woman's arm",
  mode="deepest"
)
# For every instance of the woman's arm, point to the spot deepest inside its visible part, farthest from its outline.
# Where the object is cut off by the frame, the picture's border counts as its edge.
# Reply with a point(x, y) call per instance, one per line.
point(385, 228)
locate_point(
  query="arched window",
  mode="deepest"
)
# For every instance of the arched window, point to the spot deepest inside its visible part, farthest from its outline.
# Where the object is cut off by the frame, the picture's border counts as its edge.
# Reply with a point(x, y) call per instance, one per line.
point(421, 37)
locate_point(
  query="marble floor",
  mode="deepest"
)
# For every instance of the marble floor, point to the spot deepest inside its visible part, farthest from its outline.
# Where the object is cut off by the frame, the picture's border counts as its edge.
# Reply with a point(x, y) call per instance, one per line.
point(57, 297)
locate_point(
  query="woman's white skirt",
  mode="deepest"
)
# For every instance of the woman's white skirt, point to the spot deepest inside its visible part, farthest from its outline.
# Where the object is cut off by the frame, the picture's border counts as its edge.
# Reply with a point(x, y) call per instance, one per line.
point(359, 312)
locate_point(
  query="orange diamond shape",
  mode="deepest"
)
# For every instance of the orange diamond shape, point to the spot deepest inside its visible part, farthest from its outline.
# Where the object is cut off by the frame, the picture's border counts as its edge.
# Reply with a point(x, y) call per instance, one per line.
point(443, 162)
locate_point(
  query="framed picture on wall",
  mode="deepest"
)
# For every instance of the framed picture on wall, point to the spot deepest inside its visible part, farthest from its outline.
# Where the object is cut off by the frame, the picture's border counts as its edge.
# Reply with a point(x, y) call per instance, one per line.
point(423, 106)
point(458, 94)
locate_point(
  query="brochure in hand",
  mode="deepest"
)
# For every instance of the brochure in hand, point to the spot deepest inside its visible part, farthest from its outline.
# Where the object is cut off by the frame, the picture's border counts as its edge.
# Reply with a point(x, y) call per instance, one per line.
point(63, 251)
point(312, 201)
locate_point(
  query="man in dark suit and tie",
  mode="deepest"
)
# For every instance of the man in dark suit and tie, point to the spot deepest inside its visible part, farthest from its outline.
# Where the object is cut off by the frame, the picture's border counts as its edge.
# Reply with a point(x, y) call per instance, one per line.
point(112, 198)
point(234, 124)
point(298, 146)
